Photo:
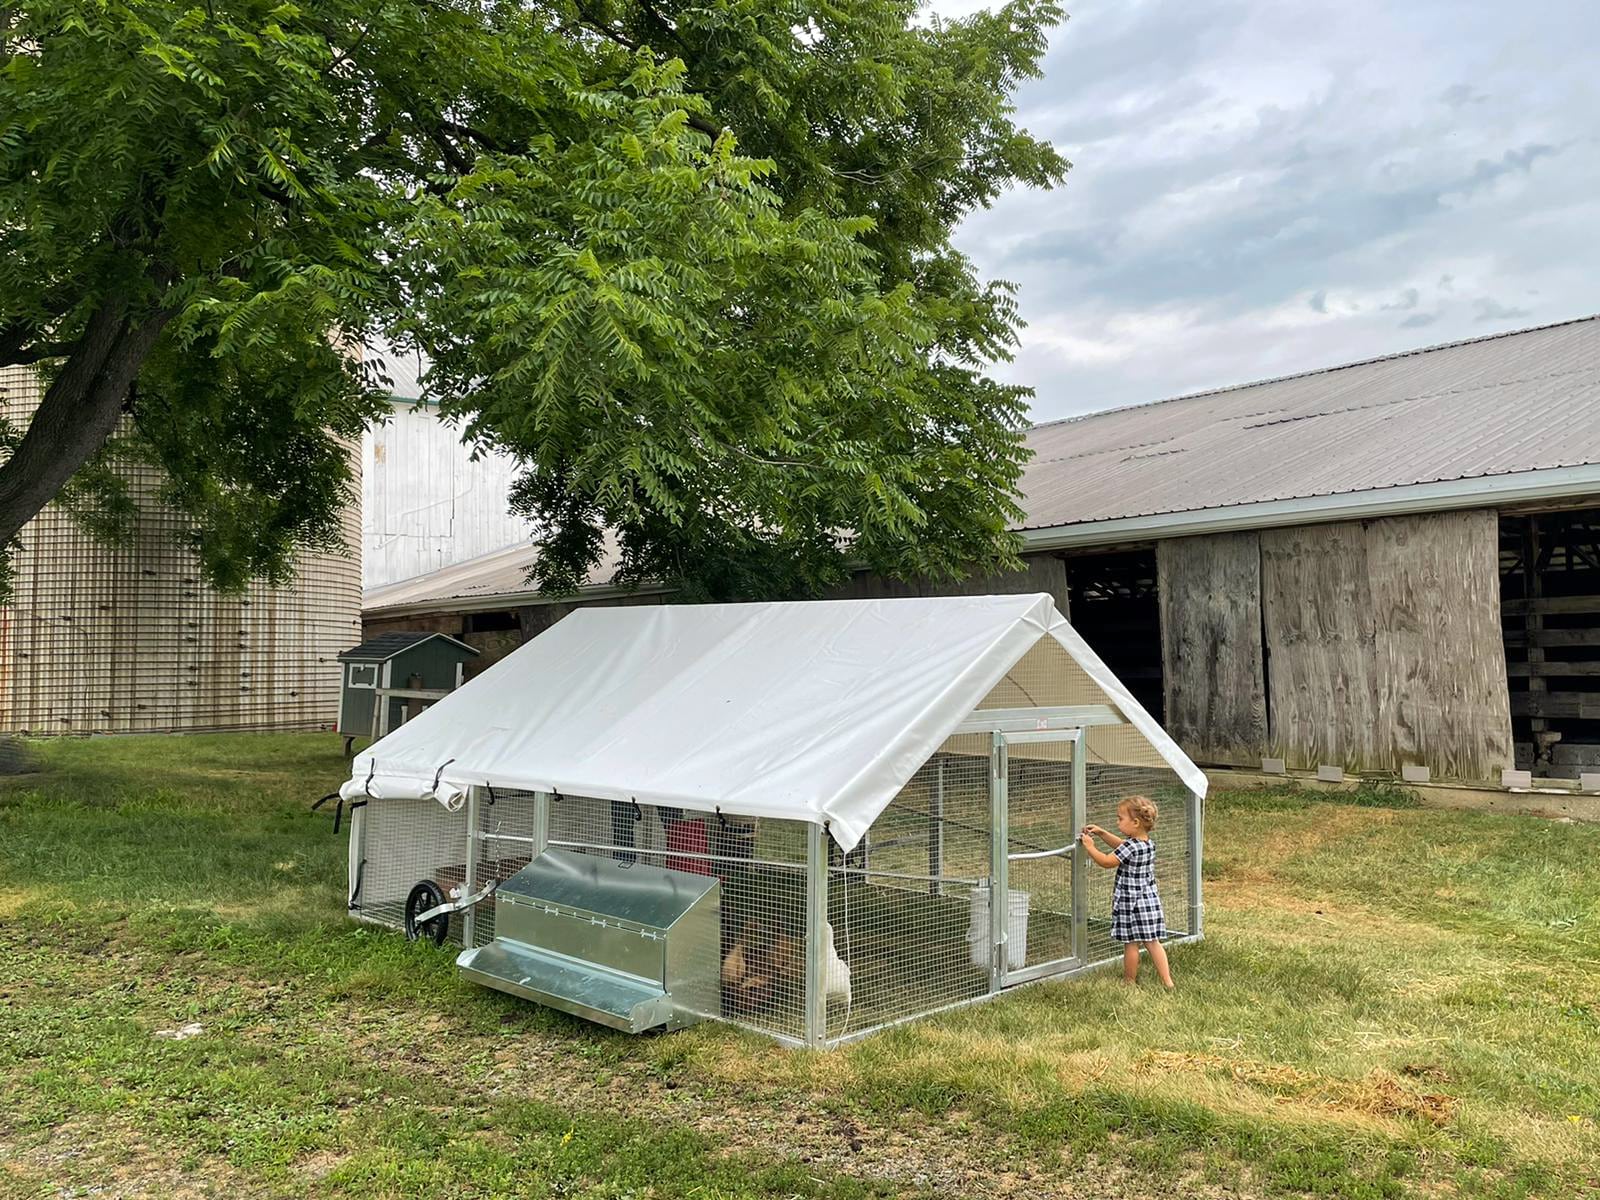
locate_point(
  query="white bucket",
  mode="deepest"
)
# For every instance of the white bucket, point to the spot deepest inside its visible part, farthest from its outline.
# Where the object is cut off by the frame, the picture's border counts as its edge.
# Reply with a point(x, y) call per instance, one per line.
point(1016, 929)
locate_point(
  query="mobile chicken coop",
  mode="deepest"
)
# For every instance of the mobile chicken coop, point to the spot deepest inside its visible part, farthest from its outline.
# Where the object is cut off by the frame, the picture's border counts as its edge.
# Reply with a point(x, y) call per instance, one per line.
point(810, 819)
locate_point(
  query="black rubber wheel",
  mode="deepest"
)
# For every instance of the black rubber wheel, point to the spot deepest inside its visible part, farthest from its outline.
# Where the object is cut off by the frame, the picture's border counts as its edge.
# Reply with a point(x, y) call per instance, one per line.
point(424, 896)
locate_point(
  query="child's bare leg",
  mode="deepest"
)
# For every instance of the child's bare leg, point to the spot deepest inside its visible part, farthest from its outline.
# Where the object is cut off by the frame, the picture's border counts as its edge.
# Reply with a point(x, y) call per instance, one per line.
point(1130, 962)
point(1158, 956)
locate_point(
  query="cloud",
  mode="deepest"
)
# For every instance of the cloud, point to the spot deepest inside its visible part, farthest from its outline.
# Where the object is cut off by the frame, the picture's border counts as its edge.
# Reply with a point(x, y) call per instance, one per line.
point(1260, 188)
point(1459, 95)
point(1493, 310)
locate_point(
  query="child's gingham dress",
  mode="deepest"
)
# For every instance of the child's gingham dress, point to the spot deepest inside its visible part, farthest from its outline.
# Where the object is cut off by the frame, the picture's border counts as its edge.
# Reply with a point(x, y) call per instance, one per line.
point(1136, 914)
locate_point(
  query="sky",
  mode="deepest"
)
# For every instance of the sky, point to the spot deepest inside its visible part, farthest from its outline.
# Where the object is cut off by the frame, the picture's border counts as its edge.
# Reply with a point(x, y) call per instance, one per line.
point(1267, 186)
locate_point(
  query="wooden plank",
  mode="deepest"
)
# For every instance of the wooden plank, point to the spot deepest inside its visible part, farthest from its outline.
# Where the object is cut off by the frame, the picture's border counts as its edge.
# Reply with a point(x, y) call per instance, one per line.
point(1442, 694)
point(1580, 706)
point(1210, 589)
point(1547, 669)
point(1553, 604)
point(1553, 637)
point(1317, 610)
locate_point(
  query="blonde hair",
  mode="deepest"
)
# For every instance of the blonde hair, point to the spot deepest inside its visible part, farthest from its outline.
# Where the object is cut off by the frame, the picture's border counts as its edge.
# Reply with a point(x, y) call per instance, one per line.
point(1142, 809)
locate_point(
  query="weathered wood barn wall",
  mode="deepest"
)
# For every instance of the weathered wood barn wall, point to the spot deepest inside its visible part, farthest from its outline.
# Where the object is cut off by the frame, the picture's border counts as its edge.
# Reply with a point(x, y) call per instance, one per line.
point(1370, 645)
point(100, 639)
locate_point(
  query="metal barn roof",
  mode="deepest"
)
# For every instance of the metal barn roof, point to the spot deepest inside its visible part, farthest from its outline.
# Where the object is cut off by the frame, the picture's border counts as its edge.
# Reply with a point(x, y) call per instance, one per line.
point(386, 645)
point(1499, 405)
point(1499, 419)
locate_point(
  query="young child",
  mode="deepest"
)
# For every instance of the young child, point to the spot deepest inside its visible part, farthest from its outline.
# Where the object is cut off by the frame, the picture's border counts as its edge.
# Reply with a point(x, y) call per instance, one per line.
point(1136, 916)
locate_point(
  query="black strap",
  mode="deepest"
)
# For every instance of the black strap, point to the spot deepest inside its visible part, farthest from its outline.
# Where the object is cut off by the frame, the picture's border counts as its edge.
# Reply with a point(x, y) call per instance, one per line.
point(355, 896)
point(440, 772)
point(338, 813)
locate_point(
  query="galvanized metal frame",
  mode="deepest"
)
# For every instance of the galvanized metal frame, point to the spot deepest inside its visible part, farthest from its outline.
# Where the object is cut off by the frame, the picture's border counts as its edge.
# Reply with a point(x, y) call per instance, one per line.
point(1197, 905)
point(816, 1001)
point(469, 883)
point(1059, 966)
point(1080, 856)
point(1043, 718)
point(999, 860)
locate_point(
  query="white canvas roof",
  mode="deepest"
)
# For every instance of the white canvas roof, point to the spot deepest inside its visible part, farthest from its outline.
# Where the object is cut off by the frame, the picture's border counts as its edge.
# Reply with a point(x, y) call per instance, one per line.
point(816, 711)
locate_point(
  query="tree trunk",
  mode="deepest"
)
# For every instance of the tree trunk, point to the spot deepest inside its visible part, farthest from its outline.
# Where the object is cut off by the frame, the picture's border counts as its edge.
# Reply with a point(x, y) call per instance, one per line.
point(78, 412)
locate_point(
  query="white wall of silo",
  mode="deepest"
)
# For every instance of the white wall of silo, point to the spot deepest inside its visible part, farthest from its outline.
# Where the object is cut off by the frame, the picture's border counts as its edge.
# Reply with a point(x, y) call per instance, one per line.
point(426, 503)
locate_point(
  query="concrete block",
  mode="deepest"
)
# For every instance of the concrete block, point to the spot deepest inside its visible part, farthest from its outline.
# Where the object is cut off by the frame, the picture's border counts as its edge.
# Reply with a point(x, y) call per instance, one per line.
point(1327, 774)
point(1516, 779)
point(1589, 782)
point(1414, 774)
point(1273, 766)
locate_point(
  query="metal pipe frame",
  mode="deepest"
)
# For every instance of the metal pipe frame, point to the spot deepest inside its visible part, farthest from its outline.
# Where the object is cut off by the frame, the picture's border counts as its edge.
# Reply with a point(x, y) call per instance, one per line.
point(469, 883)
point(1041, 719)
point(816, 1001)
point(1080, 856)
point(999, 845)
point(541, 822)
point(1197, 908)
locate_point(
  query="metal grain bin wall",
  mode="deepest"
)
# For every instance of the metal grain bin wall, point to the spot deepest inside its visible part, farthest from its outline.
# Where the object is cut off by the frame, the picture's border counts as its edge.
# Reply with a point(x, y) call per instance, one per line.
point(128, 638)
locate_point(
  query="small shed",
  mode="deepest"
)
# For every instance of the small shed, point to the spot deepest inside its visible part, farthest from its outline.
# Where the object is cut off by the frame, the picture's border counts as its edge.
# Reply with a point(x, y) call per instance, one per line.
point(859, 777)
point(407, 670)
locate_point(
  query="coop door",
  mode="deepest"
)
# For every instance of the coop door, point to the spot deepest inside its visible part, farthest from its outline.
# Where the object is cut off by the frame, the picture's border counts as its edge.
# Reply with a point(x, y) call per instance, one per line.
point(1044, 863)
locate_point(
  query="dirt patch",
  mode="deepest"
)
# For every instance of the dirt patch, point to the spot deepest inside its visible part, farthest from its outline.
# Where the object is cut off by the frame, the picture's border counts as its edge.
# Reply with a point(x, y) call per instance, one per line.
point(113, 1161)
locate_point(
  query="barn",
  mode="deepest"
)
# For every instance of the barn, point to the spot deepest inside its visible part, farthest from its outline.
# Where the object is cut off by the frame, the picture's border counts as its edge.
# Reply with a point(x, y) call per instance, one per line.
point(1391, 566)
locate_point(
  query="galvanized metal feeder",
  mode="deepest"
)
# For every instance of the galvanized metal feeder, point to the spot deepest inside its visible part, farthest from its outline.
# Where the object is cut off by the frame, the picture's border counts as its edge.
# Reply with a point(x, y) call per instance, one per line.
point(793, 817)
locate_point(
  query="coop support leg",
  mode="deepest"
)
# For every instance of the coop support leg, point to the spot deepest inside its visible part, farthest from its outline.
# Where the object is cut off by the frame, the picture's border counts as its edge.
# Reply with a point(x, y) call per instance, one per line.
point(816, 1004)
point(469, 884)
point(541, 823)
point(1080, 856)
point(1197, 808)
point(936, 833)
point(999, 859)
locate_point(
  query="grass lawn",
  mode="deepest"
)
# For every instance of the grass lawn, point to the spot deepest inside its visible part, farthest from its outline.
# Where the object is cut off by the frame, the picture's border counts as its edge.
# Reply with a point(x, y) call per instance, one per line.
point(1391, 1002)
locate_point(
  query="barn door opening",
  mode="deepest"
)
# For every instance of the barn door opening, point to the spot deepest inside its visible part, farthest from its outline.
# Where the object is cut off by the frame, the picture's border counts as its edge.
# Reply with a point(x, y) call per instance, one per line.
point(1550, 615)
point(1114, 603)
point(1043, 867)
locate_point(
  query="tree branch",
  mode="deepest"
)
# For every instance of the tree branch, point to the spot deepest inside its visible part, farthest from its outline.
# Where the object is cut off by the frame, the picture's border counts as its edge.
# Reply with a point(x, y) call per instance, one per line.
point(23, 356)
point(79, 411)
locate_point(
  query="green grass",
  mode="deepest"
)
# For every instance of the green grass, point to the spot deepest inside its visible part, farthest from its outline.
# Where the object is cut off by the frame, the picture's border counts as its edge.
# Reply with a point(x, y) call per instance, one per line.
point(1391, 1002)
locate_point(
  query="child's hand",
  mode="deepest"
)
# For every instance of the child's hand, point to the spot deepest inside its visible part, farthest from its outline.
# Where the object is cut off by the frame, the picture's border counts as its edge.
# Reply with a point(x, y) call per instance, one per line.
point(1094, 829)
point(1087, 838)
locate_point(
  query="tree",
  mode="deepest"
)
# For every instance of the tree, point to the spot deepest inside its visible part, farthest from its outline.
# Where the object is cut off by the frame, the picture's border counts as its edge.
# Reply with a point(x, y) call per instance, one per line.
point(691, 265)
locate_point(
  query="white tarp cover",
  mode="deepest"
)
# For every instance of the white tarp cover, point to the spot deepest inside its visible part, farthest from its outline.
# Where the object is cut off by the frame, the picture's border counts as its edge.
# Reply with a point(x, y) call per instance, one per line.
point(811, 711)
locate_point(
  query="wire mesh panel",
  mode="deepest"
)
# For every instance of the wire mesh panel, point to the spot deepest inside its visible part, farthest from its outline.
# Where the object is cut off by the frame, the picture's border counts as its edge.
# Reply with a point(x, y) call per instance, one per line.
point(1108, 786)
point(508, 830)
point(401, 843)
point(907, 908)
point(1041, 841)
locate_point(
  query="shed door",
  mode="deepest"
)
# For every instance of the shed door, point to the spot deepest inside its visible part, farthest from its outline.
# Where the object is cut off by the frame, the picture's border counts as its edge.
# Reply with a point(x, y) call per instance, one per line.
point(1044, 866)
